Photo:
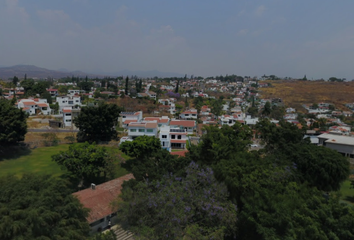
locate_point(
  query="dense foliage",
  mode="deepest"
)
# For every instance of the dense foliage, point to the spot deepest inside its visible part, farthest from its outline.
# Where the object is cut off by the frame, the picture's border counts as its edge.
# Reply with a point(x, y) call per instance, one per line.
point(40, 207)
point(281, 191)
point(190, 207)
point(97, 123)
point(13, 126)
point(86, 162)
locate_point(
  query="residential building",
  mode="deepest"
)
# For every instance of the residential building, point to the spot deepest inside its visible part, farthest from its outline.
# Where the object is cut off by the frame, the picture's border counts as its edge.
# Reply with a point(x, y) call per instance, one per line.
point(72, 92)
point(189, 114)
point(137, 129)
point(53, 92)
point(128, 117)
point(68, 101)
point(338, 142)
point(161, 121)
point(98, 199)
point(69, 114)
point(188, 125)
point(151, 94)
point(173, 138)
point(34, 106)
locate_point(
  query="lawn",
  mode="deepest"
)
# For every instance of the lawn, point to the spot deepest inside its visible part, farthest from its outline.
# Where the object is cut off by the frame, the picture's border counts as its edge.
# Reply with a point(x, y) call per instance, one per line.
point(20, 160)
point(347, 193)
point(37, 160)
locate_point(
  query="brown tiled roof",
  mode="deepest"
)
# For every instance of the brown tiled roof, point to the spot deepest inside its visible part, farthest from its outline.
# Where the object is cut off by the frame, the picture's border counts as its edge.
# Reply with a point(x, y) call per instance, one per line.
point(159, 120)
point(67, 110)
point(184, 123)
point(29, 103)
point(42, 105)
point(99, 200)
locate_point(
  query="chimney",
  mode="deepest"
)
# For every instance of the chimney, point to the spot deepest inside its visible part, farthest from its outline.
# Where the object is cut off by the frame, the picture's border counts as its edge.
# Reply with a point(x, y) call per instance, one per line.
point(93, 186)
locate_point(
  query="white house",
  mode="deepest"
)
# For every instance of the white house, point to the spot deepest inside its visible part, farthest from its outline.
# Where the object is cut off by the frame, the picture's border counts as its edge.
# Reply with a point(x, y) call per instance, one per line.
point(173, 138)
point(67, 101)
point(188, 125)
point(68, 115)
point(338, 142)
point(137, 129)
point(189, 114)
point(161, 121)
point(53, 92)
point(128, 117)
point(34, 106)
point(72, 92)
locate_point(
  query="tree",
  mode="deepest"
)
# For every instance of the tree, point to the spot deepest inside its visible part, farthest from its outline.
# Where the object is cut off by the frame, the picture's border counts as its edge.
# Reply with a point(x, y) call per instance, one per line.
point(217, 107)
point(177, 85)
point(28, 86)
point(97, 123)
point(40, 207)
point(267, 109)
point(192, 207)
point(13, 126)
point(85, 162)
point(15, 80)
point(304, 78)
point(126, 85)
point(150, 160)
point(46, 95)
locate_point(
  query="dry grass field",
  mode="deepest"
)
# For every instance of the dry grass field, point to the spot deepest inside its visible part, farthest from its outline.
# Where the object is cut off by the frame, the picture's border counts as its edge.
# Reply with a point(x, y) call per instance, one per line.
point(296, 93)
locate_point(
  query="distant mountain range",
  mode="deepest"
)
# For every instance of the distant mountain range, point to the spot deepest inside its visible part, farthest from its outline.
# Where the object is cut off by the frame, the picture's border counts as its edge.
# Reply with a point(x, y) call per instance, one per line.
point(38, 72)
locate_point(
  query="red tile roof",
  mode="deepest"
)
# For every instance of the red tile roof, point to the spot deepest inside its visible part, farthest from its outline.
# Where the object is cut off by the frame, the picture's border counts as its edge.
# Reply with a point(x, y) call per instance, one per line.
point(99, 200)
point(180, 153)
point(184, 123)
point(42, 104)
point(67, 110)
point(29, 103)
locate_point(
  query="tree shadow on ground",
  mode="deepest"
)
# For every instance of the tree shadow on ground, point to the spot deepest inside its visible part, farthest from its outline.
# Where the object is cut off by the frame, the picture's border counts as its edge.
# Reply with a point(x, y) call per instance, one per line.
point(349, 199)
point(9, 152)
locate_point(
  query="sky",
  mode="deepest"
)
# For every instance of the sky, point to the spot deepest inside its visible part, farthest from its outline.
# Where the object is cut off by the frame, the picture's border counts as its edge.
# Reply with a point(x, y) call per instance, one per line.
point(287, 38)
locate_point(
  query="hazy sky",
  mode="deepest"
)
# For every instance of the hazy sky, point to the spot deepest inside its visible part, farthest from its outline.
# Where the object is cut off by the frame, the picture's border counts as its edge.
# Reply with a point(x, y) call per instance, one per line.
point(205, 37)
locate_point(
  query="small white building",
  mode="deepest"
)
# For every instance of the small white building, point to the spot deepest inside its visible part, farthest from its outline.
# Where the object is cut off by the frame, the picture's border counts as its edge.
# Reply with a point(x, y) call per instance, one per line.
point(68, 115)
point(137, 129)
point(68, 101)
point(173, 138)
point(161, 121)
point(189, 114)
point(128, 117)
point(34, 106)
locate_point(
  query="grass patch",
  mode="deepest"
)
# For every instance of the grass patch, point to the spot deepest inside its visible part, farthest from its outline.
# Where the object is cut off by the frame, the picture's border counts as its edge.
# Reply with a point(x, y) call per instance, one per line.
point(347, 193)
point(34, 161)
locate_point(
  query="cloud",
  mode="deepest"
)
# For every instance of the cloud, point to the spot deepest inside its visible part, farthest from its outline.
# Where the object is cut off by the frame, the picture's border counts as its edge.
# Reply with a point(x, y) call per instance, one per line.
point(260, 10)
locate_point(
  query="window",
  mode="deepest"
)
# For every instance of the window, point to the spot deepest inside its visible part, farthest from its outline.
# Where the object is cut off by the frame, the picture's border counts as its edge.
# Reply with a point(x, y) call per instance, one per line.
point(160, 124)
point(150, 130)
point(133, 130)
point(68, 120)
point(186, 114)
point(179, 136)
point(173, 136)
point(164, 136)
point(141, 130)
point(163, 144)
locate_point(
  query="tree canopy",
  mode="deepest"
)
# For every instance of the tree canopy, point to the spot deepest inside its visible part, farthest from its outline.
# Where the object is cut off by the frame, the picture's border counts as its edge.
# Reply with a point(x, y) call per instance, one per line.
point(86, 162)
point(40, 207)
point(97, 123)
point(13, 125)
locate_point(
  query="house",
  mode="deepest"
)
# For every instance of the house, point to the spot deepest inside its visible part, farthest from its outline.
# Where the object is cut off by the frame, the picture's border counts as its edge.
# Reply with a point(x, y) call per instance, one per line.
point(338, 142)
point(173, 138)
point(98, 199)
point(189, 114)
point(53, 92)
point(137, 129)
point(151, 94)
point(72, 92)
point(161, 121)
point(34, 106)
point(68, 101)
point(188, 125)
point(68, 115)
point(128, 117)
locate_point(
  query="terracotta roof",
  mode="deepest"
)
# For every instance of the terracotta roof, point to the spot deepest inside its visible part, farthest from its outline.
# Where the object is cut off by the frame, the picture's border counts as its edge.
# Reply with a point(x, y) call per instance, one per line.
point(184, 123)
point(129, 121)
point(99, 200)
point(25, 108)
point(29, 103)
point(42, 104)
point(159, 120)
point(143, 124)
point(67, 110)
point(180, 153)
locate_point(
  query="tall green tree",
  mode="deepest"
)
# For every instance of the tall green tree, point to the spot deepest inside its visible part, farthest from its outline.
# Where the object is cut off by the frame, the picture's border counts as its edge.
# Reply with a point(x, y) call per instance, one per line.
point(97, 123)
point(86, 162)
point(13, 125)
point(40, 207)
point(177, 86)
point(15, 80)
point(126, 85)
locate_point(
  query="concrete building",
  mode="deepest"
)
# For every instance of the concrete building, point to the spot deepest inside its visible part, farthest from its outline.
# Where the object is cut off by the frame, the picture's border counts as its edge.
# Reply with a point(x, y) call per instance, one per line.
point(338, 142)
point(173, 138)
point(68, 115)
point(188, 125)
point(68, 101)
point(34, 106)
point(137, 129)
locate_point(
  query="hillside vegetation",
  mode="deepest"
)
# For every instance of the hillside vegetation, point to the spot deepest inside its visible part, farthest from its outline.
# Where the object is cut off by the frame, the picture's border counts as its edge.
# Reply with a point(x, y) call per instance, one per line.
point(296, 93)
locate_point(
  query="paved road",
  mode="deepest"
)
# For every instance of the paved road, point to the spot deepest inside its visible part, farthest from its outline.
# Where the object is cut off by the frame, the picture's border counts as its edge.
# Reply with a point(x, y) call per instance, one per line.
point(51, 130)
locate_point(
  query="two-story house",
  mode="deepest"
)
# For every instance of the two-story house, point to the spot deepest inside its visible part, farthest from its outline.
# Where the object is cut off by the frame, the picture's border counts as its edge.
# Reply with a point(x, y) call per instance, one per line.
point(173, 138)
point(128, 117)
point(68, 115)
point(188, 125)
point(53, 92)
point(34, 106)
point(161, 121)
point(137, 129)
point(68, 101)
point(189, 114)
